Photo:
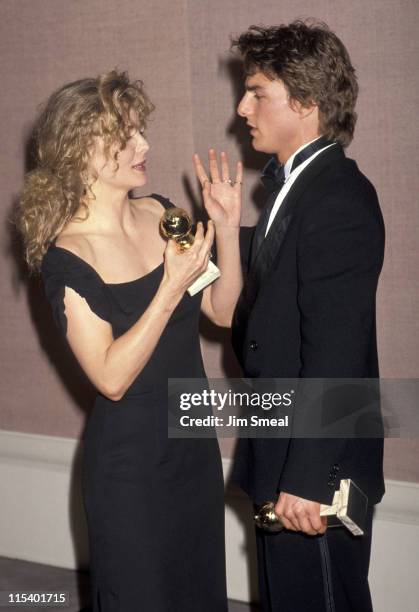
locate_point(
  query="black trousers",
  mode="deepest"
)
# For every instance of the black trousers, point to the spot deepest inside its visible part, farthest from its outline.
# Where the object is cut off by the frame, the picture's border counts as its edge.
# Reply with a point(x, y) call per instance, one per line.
point(328, 573)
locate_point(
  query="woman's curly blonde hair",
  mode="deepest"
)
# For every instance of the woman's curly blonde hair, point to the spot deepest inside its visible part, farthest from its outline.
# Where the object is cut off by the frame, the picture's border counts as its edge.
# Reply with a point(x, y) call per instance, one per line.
point(109, 107)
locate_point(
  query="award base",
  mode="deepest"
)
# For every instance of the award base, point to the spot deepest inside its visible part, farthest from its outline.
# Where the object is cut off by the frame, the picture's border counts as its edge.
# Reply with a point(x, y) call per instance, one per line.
point(349, 508)
point(209, 276)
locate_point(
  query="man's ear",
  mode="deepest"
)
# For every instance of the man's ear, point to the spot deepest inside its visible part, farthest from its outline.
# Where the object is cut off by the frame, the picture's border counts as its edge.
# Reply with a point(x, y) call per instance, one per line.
point(303, 111)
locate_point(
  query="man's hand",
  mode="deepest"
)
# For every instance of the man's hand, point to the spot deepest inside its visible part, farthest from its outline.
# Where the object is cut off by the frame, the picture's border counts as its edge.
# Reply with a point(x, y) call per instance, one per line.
point(298, 514)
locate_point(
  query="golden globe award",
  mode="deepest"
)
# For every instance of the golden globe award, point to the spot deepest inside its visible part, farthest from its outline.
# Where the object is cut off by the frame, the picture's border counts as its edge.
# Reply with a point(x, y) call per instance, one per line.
point(349, 508)
point(176, 225)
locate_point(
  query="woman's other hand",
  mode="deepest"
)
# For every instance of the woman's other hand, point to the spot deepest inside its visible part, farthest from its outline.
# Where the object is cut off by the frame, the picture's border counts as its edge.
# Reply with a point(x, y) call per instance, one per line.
point(181, 269)
point(222, 195)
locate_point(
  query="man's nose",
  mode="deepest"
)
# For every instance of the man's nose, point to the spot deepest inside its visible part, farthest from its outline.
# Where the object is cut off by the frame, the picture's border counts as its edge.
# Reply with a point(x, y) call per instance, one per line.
point(243, 108)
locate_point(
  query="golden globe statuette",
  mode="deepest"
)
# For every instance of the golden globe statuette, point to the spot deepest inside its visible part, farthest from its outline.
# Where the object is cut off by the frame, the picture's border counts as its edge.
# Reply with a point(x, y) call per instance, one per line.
point(176, 225)
point(349, 508)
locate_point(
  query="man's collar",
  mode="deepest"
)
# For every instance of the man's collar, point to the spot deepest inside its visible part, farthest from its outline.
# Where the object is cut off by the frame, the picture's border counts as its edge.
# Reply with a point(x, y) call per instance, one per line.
point(274, 174)
point(290, 160)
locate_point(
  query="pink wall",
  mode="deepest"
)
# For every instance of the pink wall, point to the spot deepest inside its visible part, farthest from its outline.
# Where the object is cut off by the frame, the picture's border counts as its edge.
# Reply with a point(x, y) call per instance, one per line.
point(179, 49)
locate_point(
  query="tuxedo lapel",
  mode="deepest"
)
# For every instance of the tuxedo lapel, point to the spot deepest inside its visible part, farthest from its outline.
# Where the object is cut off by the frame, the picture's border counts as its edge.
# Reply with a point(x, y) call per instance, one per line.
point(275, 238)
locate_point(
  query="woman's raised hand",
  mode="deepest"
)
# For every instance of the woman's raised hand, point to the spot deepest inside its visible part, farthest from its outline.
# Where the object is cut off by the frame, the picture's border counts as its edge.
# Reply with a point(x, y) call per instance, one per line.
point(222, 195)
point(181, 269)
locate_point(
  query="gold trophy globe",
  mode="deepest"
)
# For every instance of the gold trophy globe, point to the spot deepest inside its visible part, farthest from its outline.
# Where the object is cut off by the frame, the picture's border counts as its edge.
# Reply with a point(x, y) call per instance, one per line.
point(176, 225)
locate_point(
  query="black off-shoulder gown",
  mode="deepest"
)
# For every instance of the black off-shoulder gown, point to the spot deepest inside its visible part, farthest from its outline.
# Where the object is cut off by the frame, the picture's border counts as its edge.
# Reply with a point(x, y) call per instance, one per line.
point(154, 505)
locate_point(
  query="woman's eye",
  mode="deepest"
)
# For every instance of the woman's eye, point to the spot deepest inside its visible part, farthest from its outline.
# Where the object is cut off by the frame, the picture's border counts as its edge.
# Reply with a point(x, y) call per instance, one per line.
point(136, 131)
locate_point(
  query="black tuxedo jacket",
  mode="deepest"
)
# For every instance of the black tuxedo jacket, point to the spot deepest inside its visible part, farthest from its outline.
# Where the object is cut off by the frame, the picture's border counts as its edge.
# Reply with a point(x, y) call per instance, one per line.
point(308, 310)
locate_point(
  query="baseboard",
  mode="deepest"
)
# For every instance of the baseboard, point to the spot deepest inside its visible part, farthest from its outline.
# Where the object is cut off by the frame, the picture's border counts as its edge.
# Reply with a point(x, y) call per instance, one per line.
point(42, 520)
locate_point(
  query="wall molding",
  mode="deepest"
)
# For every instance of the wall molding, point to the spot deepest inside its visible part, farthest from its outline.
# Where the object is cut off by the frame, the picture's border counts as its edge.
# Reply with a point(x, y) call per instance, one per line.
point(42, 520)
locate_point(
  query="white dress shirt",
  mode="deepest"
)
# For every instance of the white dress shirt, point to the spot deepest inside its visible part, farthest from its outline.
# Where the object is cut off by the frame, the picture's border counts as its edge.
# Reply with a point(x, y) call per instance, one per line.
point(290, 178)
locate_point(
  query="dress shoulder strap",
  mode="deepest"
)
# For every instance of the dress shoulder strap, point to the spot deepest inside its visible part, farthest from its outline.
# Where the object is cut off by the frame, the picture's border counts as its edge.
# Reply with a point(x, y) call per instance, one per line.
point(61, 268)
point(165, 202)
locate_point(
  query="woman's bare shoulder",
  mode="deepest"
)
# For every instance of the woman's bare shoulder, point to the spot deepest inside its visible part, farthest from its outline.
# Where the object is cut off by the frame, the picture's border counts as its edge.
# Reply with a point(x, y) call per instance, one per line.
point(78, 242)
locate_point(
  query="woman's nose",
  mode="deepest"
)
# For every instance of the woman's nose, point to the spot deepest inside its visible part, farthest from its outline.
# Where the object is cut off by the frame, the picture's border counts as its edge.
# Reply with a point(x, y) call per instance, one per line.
point(142, 143)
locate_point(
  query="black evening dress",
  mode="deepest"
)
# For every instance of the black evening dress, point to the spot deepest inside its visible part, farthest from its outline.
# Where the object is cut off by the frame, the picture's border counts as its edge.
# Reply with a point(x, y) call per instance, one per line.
point(154, 505)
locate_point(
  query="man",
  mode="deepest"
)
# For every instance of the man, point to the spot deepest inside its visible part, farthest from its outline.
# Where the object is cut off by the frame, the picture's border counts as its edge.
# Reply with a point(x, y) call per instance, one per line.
point(308, 308)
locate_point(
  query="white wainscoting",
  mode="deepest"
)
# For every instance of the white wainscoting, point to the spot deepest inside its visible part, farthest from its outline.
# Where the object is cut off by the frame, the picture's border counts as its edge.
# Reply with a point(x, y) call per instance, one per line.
point(42, 520)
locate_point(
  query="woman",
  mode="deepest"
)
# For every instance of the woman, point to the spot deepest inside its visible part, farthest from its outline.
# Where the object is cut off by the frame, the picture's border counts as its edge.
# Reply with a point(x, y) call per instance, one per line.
point(118, 293)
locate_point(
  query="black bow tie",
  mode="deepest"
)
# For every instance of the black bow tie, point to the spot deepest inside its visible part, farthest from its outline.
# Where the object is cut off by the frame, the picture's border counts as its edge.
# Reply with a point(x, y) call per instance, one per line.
point(273, 174)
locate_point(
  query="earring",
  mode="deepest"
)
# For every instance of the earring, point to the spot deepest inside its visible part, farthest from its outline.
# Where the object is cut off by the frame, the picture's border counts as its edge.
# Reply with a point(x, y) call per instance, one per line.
point(85, 182)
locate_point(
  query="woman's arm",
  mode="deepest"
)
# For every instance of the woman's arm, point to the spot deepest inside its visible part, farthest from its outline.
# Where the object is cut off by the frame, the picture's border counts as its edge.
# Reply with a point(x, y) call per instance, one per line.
point(112, 365)
point(222, 199)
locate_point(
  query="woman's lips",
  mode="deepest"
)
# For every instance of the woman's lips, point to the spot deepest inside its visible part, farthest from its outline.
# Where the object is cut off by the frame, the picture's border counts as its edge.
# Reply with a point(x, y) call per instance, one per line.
point(140, 167)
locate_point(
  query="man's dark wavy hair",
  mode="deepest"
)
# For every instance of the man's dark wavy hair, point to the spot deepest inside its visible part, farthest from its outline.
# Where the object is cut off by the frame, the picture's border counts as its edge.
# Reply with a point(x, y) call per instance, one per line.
point(314, 66)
